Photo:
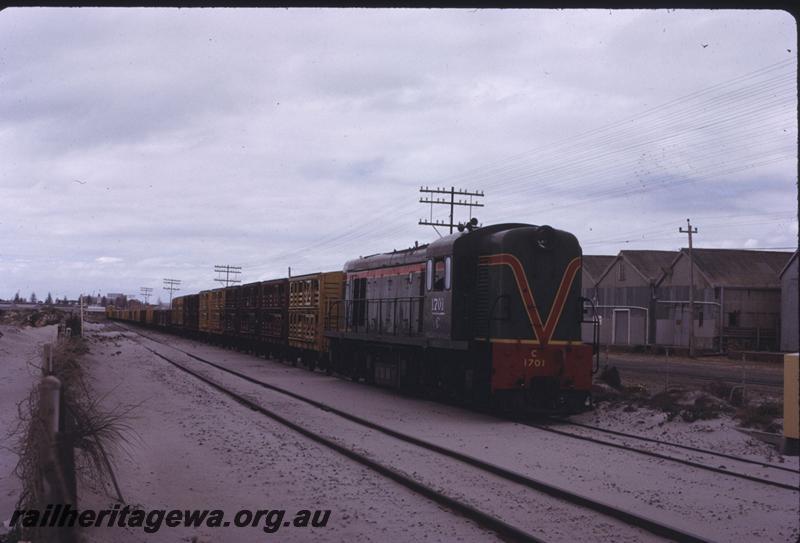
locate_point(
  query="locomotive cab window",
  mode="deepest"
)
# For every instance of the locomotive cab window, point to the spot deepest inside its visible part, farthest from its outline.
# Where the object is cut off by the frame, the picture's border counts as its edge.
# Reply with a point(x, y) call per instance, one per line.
point(439, 274)
point(429, 274)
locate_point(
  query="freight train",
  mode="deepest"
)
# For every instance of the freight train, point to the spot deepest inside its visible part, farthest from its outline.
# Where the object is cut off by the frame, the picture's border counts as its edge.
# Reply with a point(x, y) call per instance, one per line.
point(489, 315)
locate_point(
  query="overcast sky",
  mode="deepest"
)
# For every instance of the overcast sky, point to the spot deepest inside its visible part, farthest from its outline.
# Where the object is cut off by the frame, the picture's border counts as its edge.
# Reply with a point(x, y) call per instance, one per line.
point(139, 144)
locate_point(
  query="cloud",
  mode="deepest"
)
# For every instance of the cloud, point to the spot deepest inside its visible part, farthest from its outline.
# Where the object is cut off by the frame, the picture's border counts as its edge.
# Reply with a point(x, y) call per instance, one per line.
point(108, 260)
point(180, 139)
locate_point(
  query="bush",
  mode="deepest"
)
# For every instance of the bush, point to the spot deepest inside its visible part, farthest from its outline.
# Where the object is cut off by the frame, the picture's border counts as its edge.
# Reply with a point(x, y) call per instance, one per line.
point(610, 376)
point(764, 416)
point(689, 406)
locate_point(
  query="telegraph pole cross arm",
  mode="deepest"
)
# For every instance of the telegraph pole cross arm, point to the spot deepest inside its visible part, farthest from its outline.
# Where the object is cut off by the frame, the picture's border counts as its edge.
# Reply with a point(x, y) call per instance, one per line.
point(452, 202)
point(146, 292)
point(228, 271)
point(171, 285)
point(689, 230)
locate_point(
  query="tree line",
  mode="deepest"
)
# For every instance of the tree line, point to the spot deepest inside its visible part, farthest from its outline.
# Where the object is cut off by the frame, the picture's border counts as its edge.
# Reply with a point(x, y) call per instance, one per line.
point(87, 299)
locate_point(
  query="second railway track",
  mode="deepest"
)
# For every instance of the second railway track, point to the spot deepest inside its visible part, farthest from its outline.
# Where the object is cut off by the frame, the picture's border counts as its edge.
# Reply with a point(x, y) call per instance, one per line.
point(792, 486)
point(680, 446)
point(487, 520)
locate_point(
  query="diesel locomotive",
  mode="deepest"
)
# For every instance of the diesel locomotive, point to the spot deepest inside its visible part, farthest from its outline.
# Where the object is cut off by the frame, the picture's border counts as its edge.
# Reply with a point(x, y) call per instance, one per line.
point(491, 315)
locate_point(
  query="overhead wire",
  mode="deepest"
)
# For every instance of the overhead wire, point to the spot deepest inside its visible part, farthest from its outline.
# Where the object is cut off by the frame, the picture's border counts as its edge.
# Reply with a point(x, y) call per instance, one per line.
point(599, 158)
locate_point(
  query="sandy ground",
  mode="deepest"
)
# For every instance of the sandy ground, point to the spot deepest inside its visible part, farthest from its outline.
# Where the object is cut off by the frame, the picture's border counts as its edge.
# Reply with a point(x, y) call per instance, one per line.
point(20, 358)
point(508, 501)
point(195, 449)
point(191, 448)
point(716, 434)
point(719, 507)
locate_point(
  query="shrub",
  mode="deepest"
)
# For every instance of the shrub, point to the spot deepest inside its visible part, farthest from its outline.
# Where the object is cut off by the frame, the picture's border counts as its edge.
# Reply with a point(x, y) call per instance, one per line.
point(763, 416)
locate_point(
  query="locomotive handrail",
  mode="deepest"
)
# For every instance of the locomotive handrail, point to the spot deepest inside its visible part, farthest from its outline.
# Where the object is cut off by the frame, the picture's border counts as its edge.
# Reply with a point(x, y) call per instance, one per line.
point(344, 320)
point(347, 321)
point(595, 333)
point(489, 319)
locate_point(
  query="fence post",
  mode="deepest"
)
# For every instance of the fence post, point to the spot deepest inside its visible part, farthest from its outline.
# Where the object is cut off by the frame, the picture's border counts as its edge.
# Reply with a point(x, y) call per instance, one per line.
point(49, 392)
point(52, 484)
point(47, 359)
point(744, 380)
point(57, 461)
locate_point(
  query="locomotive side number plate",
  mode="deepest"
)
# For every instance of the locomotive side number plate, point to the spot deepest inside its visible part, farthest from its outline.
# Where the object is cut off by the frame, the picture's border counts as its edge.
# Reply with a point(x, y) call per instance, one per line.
point(534, 360)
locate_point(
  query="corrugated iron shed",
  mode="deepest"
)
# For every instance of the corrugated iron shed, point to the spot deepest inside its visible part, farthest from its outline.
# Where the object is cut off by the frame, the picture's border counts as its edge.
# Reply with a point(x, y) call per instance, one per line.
point(651, 264)
point(740, 268)
point(595, 265)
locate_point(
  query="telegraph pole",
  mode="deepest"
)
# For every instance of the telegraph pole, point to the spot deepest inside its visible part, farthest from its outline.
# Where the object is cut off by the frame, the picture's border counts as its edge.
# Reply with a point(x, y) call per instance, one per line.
point(146, 292)
point(171, 285)
point(452, 202)
point(228, 271)
point(689, 230)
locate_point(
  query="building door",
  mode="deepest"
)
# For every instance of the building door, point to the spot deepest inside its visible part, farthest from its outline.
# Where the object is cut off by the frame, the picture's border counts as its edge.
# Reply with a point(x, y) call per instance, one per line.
point(622, 331)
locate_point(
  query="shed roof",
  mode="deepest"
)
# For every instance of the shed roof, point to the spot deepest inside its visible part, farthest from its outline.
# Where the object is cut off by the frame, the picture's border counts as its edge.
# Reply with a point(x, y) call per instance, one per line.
point(651, 264)
point(788, 264)
point(595, 265)
point(739, 267)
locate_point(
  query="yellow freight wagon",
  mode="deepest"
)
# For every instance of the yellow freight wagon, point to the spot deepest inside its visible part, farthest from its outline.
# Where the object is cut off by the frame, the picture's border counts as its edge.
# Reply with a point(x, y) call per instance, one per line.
point(177, 311)
point(309, 297)
point(212, 306)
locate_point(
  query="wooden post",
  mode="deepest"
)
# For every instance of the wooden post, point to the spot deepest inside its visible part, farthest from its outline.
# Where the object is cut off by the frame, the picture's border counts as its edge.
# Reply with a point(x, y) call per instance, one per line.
point(56, 490)
point(49, 391)
point(47, 359)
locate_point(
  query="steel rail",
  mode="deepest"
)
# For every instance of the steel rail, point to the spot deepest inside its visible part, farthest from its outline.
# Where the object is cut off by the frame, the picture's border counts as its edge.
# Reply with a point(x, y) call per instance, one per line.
point(679, 446)
point(691, 463)
point(618, 513)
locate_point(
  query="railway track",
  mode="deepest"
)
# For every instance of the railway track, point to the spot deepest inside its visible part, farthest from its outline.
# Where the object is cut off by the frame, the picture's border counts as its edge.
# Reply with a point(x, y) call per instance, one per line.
point(680, 446)
point(699, 465)
point(482, 518)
